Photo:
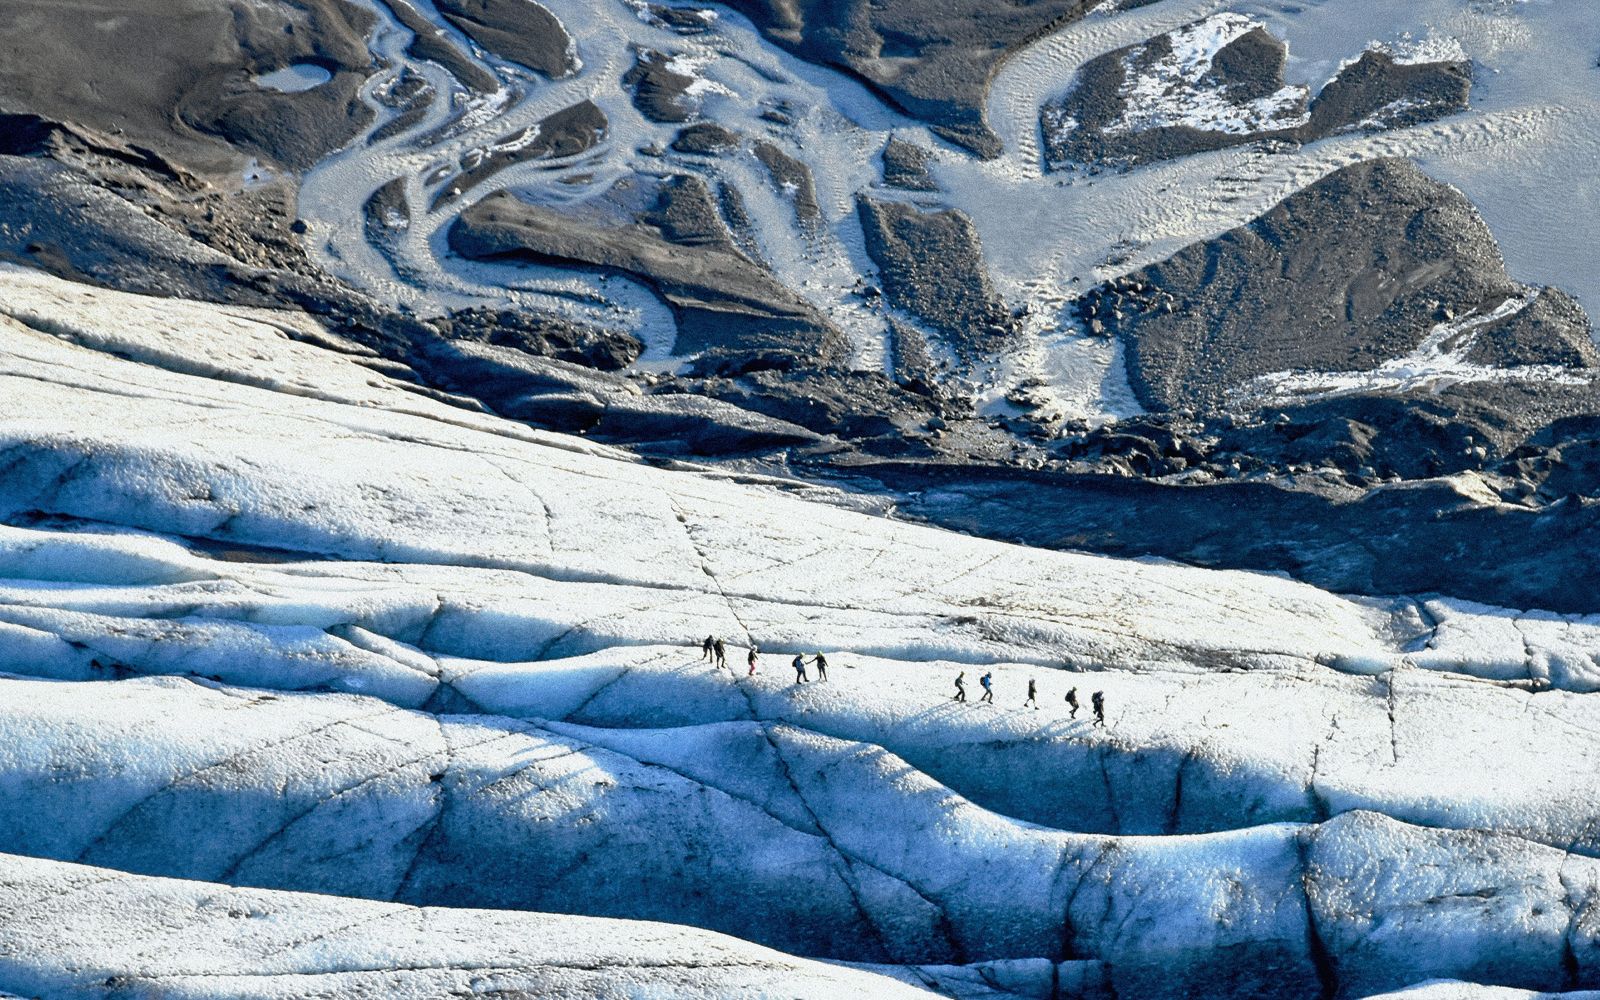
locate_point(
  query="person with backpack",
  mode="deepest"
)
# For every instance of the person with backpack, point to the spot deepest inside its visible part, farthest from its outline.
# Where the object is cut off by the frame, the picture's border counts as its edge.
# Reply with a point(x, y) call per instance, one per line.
point(1033, 695)
point(1098, 700)
point(987, 680)
point(961, 686)
point(1072, 703)
point(708, 650)
point(720, 648)
point(821, 663)
point(750, 658)
point(799, 665)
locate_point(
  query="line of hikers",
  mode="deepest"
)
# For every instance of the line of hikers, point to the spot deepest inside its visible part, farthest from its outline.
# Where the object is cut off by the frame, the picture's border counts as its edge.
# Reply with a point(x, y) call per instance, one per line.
point(715, 651)
point(1097, 701)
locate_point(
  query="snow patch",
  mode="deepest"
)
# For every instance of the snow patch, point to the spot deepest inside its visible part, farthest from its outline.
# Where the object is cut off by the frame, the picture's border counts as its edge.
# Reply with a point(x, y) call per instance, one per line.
point(1439, 361)
point(295, 79)
point(1432, 48)
point(691, 65)
point(1173, 91)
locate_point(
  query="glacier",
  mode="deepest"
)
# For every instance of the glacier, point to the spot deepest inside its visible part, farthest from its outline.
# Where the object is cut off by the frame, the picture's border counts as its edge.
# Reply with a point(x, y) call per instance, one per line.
point(73, 930)
point(334, 685)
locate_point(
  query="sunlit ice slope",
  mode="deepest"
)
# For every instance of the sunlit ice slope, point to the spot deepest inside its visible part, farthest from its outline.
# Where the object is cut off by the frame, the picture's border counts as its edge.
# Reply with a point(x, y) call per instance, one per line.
point(274, 620)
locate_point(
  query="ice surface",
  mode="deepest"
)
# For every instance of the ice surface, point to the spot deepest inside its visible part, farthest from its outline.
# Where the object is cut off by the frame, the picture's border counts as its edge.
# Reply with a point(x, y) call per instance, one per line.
point(338, 798)
point(368, 644)
point(73, 930)
point(640, 545)
point(816, 845)
point(1455, 989)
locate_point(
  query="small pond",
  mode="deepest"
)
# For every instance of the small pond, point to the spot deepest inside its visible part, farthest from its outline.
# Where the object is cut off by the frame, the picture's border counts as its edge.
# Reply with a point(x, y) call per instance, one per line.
point(296, 78)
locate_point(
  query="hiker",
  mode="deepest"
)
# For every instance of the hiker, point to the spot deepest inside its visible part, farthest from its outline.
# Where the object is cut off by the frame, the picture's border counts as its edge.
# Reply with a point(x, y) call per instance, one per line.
point(1072, 703)
point(750, 658)
point(799, 665)
point(721, 649)
point(1033, 695)
point(961, 686)
point(988, 688)
point(821, 663)
point(708, 650)
point(1098, 700)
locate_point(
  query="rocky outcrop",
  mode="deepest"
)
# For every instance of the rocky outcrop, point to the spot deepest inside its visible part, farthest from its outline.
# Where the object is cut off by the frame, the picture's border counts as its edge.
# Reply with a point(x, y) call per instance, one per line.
point(905, 166)
point(661, 92)
point(793, 179)
point(705, 139)
point(60, 220)
point(543, 383)
point(1553, 329)
point(38, 137)
point(409, 96)
point(1455, 535)
point(386, 213)
point(1356, 270)
point(1378, 92)
point(544, 336)
point(681, 20)
point(430, 43)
